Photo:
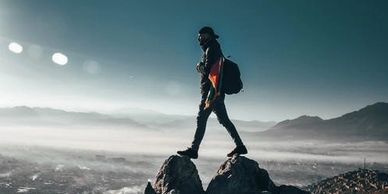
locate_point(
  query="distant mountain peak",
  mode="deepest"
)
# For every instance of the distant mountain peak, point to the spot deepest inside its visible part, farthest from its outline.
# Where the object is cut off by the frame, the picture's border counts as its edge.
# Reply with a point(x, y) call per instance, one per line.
point(379, 109)
point(368, 122)
point(17, 111)
point(307, 118)
point(302, 120)
point(22, 107)
point(379, 106)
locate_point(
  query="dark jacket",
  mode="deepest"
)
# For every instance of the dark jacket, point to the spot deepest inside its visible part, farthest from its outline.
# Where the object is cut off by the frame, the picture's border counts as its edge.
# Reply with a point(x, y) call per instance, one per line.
point(211, 53)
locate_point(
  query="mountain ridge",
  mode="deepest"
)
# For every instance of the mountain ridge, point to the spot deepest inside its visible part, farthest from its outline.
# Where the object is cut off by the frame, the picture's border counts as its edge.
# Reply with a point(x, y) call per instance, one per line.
point(44, 116)
point(370, 121)
point(149, 119)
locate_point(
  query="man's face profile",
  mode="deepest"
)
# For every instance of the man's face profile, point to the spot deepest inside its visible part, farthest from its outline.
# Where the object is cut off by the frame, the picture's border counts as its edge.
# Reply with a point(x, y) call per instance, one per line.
point(203, 38)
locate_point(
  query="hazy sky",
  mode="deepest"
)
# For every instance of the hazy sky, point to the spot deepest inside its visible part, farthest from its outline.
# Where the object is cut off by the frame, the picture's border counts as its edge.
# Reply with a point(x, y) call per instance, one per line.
point(322, 58)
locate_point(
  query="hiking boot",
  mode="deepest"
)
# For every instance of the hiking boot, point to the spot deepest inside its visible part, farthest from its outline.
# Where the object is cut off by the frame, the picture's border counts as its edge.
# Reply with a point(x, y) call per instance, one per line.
point(189, 152)
point(238, 150)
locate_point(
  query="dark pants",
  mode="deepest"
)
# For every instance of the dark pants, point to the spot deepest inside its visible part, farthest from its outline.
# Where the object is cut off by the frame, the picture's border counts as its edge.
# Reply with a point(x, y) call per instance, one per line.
point(218, 107)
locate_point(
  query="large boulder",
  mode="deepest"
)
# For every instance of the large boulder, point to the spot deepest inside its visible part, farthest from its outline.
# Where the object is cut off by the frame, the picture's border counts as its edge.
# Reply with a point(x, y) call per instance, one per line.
point(243, 176)
point(178, 175)
point(239, 175)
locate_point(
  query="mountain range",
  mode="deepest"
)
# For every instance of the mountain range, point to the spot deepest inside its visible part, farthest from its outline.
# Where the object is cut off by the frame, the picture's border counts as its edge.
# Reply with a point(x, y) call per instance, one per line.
point(370, 122)
point(128, 118)
point(35, 116)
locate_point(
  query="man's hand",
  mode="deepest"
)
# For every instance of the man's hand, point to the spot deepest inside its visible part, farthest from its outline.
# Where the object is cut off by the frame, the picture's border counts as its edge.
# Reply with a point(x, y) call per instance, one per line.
point(200, 67)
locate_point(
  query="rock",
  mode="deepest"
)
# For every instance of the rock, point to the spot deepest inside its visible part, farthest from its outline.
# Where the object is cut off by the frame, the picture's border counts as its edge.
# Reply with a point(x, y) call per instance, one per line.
point(287, 189)
point(178, 175)
point(243, 176)
point(237, 175)
point(358, 181)
point(149, 189)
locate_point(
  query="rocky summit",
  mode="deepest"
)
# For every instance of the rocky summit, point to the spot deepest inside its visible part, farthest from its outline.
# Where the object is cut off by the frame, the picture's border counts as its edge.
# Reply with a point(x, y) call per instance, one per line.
point(237, 175)
point(359, 181)
point(177, 175)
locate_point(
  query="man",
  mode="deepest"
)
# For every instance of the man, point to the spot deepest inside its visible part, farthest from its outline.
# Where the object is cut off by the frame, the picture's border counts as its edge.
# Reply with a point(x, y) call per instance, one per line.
point(212, 95)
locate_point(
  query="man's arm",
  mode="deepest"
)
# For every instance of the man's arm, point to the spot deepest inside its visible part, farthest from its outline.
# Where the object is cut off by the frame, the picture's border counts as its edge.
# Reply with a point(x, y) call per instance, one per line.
point(205, 87)
point(212, 55)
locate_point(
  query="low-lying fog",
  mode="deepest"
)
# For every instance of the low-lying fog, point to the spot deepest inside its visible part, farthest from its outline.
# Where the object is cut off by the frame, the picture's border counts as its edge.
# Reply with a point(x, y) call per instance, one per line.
point(216, 143)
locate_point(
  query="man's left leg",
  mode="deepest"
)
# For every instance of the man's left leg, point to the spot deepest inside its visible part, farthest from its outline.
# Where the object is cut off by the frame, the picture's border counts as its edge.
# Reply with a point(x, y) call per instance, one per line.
point(222, 116)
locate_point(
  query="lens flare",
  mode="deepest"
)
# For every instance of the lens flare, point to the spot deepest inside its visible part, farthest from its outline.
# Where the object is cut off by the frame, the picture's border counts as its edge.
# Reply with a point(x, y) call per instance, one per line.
point(15, 47)
point(59, 58)
point(92, 67)
point(35, 51)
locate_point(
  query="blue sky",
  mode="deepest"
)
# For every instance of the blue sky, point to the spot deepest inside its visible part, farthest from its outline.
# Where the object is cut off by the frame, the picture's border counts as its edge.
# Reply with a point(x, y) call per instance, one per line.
point(322, 58)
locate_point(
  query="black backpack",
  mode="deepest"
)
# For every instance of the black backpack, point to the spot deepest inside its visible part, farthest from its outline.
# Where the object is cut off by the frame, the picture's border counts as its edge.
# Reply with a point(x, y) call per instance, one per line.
point(231, 80)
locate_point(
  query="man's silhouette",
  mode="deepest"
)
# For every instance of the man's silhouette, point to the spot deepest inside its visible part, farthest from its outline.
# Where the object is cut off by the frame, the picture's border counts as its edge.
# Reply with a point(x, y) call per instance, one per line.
point(212, 95)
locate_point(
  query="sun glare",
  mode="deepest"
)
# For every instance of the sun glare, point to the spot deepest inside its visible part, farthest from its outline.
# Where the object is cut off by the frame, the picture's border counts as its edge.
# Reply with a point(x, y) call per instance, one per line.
point(59, 58)
point(15, 47)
